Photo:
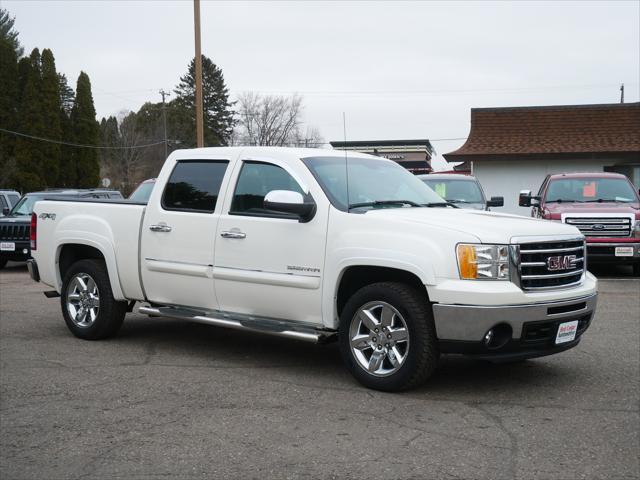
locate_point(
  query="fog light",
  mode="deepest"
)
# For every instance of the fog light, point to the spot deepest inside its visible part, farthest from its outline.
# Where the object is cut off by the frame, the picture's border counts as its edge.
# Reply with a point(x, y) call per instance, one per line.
point(498, 336)
point(25, 251)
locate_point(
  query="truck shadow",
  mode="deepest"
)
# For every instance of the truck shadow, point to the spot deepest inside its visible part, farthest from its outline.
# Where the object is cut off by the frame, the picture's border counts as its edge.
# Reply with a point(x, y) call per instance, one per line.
point(185, 344)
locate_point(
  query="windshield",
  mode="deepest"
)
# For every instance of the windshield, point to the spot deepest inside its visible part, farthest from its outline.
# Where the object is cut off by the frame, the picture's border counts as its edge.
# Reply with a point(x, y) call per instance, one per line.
point(143, 192)
point(455, 190)
point(25, 205)
point(370, 180)
point(590, 190)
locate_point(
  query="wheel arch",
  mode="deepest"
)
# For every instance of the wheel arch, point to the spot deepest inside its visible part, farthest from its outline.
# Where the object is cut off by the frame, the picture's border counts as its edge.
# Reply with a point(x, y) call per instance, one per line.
point(354, 277)
point(70, 251)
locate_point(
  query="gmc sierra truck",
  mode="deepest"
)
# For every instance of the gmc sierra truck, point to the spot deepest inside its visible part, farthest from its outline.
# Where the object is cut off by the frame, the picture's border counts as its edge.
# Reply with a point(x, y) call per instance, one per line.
point(314, 245)
point(604, 206)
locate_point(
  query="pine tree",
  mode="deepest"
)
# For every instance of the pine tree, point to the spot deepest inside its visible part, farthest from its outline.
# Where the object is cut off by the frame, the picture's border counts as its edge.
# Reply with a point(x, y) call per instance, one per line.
point(86, 132)
point(8, 33)
point(8, 109)
point(67, 95)
point(68, 171)
point(218, 113)
point(29, 153)
point(51, 106)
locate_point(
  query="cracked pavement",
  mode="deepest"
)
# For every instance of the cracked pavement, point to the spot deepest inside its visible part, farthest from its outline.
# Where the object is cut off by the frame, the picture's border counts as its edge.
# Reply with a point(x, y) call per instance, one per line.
point(172, 399)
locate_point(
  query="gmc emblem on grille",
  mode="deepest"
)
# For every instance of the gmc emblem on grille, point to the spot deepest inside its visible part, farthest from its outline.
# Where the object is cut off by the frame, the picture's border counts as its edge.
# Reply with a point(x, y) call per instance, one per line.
point(561, 262)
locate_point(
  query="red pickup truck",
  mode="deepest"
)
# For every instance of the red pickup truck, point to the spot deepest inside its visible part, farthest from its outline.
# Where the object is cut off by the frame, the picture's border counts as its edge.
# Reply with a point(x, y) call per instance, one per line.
point(604, 206)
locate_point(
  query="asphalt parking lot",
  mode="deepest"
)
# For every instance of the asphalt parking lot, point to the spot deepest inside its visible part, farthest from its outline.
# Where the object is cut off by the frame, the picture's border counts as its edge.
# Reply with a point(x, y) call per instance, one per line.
point(171, 399)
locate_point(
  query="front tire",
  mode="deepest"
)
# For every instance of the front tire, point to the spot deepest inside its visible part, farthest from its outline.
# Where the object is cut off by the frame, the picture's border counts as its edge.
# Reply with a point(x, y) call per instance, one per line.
point(3, 263)
point(88, 306)
point(387, 336)
point(636, 269)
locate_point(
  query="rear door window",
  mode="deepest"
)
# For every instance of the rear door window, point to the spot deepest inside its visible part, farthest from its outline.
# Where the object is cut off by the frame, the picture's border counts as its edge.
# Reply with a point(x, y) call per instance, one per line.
point(194, 186)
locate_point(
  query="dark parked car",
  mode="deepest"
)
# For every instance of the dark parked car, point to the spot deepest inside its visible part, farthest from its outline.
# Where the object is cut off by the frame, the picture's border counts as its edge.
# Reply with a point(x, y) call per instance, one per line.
point(463, 190)
point(15, 225)
point(8, 199)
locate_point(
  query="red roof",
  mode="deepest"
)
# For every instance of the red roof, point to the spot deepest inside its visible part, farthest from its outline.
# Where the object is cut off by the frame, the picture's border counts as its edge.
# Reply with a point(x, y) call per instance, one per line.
point(564, 129)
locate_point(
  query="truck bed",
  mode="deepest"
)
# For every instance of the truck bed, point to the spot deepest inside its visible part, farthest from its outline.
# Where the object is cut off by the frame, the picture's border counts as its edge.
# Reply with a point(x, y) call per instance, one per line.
point(110, 225)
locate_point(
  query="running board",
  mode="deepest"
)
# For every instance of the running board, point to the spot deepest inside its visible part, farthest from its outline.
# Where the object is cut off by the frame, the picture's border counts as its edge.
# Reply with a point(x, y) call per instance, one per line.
point(247, 323)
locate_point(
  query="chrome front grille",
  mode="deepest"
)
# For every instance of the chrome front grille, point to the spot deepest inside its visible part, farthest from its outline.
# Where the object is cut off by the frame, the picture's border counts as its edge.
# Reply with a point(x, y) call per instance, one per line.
point(550, 264)
point(602, 227)
point(13, 232)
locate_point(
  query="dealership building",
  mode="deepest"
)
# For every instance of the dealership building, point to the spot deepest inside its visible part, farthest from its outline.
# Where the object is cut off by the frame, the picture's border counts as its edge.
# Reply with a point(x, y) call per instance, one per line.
point(414, 155)
point(513, 149)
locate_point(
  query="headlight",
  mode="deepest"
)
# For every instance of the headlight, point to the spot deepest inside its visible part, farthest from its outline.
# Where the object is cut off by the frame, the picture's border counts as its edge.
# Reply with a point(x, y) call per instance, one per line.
point(483, 262)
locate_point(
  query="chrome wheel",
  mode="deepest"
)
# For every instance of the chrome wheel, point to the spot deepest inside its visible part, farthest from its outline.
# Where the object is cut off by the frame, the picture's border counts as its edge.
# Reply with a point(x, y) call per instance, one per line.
point(83, 300)
point(379, 338)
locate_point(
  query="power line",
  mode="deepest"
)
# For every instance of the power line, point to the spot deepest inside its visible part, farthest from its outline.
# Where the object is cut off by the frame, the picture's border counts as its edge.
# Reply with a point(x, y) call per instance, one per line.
point(99, 147)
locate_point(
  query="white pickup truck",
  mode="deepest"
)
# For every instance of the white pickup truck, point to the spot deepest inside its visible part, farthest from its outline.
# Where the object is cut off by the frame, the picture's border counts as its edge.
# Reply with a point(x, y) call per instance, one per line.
point(313, 245)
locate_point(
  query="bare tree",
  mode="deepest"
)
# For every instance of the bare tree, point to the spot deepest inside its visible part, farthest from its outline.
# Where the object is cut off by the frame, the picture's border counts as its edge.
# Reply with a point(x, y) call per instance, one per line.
point(272, 120)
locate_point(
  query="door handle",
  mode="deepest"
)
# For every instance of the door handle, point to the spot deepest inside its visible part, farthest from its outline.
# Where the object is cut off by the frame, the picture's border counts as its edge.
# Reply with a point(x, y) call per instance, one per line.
point(160, 228)
point(233, 235)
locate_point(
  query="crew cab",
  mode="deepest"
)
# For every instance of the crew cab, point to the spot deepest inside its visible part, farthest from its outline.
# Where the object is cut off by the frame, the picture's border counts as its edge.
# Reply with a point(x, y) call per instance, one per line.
point(15, 225)
point(311, 245)
point(605, 207)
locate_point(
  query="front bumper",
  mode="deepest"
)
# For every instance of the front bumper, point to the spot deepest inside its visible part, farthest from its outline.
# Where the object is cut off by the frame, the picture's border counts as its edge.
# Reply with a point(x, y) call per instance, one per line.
point(529, 330)
point(598, 252)
point(21, 252)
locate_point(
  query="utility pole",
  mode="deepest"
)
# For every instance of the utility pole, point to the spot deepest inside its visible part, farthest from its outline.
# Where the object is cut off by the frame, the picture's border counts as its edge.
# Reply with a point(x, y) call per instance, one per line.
point(199, 119)
point(164, 121)
point(622, 93)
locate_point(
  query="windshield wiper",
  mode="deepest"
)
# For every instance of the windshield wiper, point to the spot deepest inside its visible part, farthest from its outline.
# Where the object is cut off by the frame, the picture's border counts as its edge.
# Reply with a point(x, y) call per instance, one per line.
point(440, 204)
point(384, 202)
point(560, 200)
point(600, 200)
point(460, 201)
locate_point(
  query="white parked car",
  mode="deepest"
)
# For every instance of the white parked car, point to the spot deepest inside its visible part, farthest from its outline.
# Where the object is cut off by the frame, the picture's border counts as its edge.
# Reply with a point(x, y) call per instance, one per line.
point(304, 244)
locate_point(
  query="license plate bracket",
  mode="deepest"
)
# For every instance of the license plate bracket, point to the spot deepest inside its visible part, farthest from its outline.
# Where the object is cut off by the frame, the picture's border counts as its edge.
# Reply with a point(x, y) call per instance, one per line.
point(624, 252)
point(7, 246)
point(567, 332)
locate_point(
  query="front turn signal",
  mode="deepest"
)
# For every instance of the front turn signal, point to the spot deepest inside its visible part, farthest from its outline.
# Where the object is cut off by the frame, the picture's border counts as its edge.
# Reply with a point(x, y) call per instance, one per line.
point(467, 262)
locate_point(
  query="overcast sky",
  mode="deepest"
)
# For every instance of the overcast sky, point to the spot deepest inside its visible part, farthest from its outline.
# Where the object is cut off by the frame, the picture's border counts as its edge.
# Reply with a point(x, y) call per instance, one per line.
point(398, 70)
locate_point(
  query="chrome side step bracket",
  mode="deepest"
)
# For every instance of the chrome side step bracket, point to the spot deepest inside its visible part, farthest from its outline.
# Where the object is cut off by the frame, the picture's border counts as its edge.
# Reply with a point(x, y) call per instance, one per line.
point(268, 326)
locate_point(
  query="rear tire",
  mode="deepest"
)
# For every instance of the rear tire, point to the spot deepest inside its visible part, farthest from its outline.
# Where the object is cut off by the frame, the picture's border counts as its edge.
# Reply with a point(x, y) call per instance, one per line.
point(3, 263)
point(400, 350)
point(87, 302)
point(636, 269)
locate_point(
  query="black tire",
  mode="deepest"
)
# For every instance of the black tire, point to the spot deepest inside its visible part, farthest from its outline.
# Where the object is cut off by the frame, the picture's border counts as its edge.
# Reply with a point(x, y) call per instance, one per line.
point(111, 312)
point(636, 269)
point(423, 353)
point(3, 263)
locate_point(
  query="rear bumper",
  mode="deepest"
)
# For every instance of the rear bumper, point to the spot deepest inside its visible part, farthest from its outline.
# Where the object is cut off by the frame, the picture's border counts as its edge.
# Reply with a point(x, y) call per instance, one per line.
point(527, 330)
point(606, 252)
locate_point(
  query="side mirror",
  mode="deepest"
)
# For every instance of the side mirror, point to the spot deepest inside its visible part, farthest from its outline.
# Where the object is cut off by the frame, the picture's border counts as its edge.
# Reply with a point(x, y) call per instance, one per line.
point(496, 202)
point(287, 201)
point(5, 211)
point(524, 200)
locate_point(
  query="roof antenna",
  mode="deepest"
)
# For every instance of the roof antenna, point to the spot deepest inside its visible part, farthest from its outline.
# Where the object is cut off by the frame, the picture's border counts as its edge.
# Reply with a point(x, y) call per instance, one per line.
point(622, 93)
point(346, 160)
